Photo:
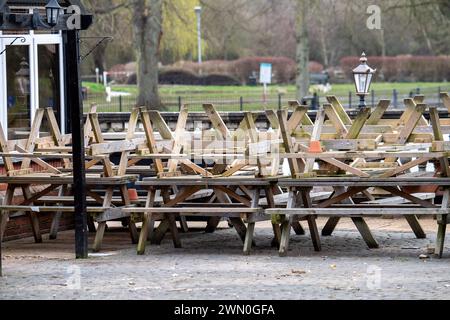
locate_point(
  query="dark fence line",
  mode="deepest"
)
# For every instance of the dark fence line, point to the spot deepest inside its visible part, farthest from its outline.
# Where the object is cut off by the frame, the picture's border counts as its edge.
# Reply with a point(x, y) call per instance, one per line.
point(226, 102)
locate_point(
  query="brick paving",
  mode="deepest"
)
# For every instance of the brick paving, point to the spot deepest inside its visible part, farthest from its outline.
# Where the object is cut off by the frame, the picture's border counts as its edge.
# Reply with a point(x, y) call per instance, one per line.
point(211, 266)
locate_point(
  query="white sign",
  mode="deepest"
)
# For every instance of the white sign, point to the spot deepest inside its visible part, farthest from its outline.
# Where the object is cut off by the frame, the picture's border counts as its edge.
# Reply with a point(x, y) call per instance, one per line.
point(265, 73)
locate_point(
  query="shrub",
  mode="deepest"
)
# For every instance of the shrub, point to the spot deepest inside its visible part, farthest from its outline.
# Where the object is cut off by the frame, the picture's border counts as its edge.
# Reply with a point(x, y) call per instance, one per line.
point(220, 80)
point(178, 76)
point(221, 71)
point(405, 67)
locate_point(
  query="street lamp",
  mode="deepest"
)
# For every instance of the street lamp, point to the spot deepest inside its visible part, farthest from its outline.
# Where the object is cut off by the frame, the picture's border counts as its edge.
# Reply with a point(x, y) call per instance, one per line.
point(53, 10)
point(198, 11)
point(363, 75)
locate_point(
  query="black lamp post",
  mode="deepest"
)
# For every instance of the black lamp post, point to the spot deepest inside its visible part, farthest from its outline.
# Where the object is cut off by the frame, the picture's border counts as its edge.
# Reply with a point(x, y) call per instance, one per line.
point(363, 75)
point(58, 20)
point(53, 10)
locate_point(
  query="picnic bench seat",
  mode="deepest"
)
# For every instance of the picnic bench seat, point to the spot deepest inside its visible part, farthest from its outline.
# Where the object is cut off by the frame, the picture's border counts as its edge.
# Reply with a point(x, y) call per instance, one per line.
point(240, 209)
point(339, 205)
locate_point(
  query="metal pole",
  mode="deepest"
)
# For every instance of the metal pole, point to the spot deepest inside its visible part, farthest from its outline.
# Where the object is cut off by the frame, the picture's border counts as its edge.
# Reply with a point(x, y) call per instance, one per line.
point(279, 101)
point(373, 98)
point(395, 98)
point(76, 111)
point(439, 96)
point(120, 103)
point(241, 103)
point(179, 103)
point(198, 11)
point(350, 100)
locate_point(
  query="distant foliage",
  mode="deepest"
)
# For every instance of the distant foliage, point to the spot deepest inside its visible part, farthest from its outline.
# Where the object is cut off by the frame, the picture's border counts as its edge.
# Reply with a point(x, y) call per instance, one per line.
point(284, 69)
point(404, 68)
point(174, 76)
point(219, 72)
point(179, 28)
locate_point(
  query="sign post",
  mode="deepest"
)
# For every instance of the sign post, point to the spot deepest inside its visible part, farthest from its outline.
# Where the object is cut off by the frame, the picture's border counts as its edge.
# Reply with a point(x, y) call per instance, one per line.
point(265, 77)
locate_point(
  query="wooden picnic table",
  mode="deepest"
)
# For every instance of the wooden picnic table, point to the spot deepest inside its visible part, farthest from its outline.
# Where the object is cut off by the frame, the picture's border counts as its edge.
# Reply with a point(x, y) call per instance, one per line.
point(237, 198)
point(62, 182)
point(341, 205)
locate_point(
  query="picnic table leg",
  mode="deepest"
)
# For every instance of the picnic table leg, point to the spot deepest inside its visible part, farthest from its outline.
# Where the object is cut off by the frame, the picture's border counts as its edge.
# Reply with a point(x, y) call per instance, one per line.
point(131, 225)
point(440, 240)
point(414, 223)
point(91, 224)
point(251, 225)
point(34, 219)
point(287, 224)
point(298, 228)
point(365, 232)
point(240, 227)
point(285, 236)
point(57, 218)
point(275, 226)
point(329, 227)
point(183, 224)
point(237, 223)
point(172, 221)
point(99, 236)
point(212, 225)
point(248, 242)
point(277, 238)
point(160, 232)
point(143, 237)
point(442, 225)
point(331, 224)
point(102, 225)
point(5, 215)
point(314, 231)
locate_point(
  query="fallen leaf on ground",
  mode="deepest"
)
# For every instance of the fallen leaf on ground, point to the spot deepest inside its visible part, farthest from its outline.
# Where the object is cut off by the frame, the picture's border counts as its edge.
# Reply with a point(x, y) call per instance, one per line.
point(298, 272)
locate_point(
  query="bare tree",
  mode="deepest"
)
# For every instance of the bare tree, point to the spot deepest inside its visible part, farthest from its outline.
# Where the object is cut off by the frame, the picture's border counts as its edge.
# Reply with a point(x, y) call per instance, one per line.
point(302, 54)
point(147, 37)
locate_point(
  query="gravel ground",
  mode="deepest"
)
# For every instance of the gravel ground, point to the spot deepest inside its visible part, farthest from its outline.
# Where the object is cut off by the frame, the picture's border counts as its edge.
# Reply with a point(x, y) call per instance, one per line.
point(211, 266)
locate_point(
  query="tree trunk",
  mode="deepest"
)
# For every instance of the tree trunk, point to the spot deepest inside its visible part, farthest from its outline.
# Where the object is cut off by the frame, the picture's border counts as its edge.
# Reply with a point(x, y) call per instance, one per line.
point(147, 37)
point(302, 55)
point(99, 56)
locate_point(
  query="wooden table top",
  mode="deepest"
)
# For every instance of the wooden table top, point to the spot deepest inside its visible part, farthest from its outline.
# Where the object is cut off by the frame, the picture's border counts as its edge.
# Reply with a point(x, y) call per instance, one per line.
point(55, 179)
point(363, 182)
point(199, 181)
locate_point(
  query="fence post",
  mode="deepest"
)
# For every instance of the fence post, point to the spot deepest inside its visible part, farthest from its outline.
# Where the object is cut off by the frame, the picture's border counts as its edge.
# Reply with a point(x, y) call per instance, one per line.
point(279, 101)
point(418, 91)
point(179, 103)
point(120, 103)
point(395, 98)
point(373, 98)
point(439, 96)
point(241, 103)
point(350, 99)
point(315, 101)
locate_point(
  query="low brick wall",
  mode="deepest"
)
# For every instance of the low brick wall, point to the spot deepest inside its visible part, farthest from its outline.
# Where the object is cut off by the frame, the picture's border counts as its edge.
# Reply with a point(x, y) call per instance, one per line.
point(19, 225)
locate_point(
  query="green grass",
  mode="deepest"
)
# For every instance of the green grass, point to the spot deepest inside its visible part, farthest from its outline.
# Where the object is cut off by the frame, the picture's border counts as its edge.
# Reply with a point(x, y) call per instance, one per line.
point(226, 98)
point(337, 89)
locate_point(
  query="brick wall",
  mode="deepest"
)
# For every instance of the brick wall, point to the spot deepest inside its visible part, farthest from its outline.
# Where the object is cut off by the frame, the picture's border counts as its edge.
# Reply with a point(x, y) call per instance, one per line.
point(19, 225)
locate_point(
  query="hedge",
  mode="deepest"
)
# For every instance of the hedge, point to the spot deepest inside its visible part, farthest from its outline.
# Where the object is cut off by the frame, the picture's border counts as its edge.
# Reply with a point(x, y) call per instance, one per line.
point(405, 68)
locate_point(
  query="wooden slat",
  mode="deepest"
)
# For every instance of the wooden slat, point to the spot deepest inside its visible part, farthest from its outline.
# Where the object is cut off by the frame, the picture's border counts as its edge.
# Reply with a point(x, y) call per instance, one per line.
point(345, 118)
point(378, 113)
point(335, 119)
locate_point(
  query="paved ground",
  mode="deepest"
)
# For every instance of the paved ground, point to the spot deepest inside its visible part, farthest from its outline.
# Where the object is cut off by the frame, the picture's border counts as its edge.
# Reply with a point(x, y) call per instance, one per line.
point(212, 267)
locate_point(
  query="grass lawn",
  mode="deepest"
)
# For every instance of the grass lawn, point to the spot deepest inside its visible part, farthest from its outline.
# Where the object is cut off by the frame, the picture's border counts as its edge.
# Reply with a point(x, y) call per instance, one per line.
point(227, 98)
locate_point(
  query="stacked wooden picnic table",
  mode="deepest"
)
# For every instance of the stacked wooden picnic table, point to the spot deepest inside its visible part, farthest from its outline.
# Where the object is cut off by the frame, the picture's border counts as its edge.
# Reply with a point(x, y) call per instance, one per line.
point(296, 171)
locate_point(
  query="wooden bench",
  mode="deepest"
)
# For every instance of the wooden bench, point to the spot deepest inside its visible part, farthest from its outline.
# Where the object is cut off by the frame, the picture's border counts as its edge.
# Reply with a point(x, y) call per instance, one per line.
point(229, 192)
point(340, 205)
